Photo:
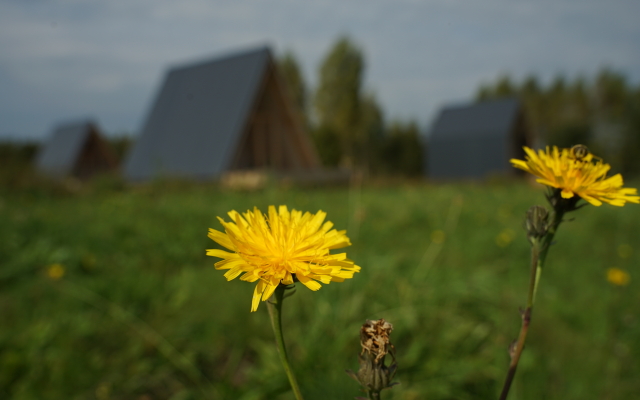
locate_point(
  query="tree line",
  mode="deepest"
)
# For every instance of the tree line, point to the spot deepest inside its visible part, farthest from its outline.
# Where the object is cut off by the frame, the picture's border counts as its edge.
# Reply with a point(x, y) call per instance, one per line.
point(350, 130)
point(346, 122)
point(602, 112)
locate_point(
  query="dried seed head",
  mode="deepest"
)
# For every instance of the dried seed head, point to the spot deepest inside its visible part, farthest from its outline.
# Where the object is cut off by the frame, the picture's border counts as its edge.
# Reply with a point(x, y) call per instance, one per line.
point(375, 342)
point(374, 338)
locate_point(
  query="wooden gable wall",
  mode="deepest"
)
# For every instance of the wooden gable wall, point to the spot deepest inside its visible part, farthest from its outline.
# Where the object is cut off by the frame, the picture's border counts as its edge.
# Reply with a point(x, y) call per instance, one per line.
point(96, 157)
point(274, 137)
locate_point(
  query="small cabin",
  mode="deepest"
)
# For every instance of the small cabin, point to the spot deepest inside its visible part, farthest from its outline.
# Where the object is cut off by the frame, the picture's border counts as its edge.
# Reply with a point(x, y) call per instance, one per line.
point(76, 149)
point(229, 114)
point(477, 141)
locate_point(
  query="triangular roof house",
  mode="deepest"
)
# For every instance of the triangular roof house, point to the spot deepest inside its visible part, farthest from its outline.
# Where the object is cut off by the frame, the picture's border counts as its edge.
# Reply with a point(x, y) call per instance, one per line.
point(476, 141)
point(227, 114)
point(76, 149)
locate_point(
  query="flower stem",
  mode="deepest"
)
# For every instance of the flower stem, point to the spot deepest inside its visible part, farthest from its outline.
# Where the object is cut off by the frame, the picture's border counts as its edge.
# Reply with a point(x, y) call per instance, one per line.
point(275, 311)
point(539, 250)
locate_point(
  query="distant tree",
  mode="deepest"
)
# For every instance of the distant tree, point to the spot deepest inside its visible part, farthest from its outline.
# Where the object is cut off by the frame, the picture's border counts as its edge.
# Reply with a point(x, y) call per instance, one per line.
point(569, 134)
point(327, 143)
point(19, 154)
point(16, 163)
point(558, 85)
point(370, 133)
point(371, 119)
point(611, 94)
point(120, 144)
point(603, 113)
point(555, 106)
point(578, 96)
point(502, 88)
point(401, 151)
point(338, 100)
point(530, 86)
point(610, 98)
point(566, 113)
point(289, 70)
point(485, 92)
point(630, 155)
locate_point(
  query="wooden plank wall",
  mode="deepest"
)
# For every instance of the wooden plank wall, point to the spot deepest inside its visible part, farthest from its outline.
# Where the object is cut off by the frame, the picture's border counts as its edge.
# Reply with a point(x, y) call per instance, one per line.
point(275, 138)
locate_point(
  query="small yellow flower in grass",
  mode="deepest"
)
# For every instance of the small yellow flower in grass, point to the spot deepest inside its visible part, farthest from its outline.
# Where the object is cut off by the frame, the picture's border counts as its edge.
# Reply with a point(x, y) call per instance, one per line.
point(55, 271)
point(505, 237)
point(438, 236)
point(618, 277)
point(577, 173)
point(281, 247)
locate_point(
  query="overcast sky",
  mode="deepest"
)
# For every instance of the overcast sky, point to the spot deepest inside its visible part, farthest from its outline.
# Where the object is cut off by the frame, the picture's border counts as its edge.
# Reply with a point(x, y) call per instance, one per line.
point(68, 59)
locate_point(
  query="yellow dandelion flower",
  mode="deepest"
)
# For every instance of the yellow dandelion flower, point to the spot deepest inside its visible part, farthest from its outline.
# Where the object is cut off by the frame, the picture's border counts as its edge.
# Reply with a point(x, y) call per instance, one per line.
point(55, 271)
point(281, 247)
point(582, 175)
point(618, 277)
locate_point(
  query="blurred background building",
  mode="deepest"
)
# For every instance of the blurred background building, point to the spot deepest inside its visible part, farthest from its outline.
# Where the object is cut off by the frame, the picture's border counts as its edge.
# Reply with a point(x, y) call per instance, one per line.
point(227, 114)
point(76, 149)
point(477, 140)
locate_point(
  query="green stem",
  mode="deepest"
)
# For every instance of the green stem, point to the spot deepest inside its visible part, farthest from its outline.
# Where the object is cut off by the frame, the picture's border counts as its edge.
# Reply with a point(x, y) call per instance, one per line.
point(373, 395)
point(275, 313)
point(553, 228)
point(539, 250)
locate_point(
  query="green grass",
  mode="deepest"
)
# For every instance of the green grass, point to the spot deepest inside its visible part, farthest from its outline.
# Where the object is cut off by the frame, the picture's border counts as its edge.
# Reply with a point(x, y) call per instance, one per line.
point(142, 314)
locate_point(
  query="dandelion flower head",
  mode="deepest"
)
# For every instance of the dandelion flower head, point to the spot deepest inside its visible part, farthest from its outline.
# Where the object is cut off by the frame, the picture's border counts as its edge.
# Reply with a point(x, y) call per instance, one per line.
point(582, 175)
point(281, 247)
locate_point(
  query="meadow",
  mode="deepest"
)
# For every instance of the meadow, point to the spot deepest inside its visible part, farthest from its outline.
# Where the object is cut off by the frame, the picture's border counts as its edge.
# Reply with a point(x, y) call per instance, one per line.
point(135, 310)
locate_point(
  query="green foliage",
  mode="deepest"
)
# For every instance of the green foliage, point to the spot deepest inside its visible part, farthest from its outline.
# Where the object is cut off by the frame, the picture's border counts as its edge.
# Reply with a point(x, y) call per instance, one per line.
point(142, 314)
point(16, 163)
point(502, 88)
point(120, 145)
point(351, 130)
point(570, 134)
point(326, 140)
point(611, 93)
point(401, 150)
point(289, 70)
point(338, 97)
point(372, 134)
point(17, 153)
point(630, 156)
point(602, 113)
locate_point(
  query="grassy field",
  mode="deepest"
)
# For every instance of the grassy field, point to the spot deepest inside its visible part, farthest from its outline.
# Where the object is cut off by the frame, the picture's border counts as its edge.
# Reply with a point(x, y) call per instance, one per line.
point(140, 313)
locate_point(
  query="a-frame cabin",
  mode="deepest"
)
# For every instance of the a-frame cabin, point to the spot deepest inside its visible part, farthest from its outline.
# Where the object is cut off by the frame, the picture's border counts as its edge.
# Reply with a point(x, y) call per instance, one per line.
point(476, 141)
point(229, 114)
point(76, 149)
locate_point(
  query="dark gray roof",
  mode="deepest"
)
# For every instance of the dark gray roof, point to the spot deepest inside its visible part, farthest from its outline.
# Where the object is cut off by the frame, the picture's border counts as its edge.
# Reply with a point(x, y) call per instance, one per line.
point(198, 116)
point(61, 151)
point(487, 119)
